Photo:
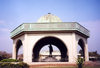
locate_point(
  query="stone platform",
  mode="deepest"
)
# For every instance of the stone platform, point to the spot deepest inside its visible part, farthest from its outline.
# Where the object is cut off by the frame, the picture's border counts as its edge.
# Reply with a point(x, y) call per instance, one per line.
point(62, 64)
point(51, 64)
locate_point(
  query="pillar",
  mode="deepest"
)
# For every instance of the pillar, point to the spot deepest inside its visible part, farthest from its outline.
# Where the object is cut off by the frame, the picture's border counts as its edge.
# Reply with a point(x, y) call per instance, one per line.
point(73, 49)
point(86, 51)
point(14, 50)
point(25, 48)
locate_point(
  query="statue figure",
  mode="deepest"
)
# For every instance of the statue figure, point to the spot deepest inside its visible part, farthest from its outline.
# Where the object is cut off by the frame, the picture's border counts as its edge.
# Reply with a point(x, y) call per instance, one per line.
point(50, 50)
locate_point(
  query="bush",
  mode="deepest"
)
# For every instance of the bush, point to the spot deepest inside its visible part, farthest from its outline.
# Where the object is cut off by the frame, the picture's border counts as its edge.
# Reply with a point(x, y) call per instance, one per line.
point(80, 62)
point(9, 60)
point(13, 65)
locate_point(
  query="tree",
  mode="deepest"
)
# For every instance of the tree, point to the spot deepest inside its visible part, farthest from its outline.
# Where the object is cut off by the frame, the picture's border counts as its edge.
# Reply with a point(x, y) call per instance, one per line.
point(4, 55)
point(95, 55)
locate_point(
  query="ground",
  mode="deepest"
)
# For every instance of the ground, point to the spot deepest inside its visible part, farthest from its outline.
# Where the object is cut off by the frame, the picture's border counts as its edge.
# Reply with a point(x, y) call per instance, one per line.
point(67, 67)
point(86, 65)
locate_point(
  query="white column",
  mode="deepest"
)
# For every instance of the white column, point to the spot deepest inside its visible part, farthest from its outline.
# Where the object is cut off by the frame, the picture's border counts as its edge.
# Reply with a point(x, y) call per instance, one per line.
point(73, 49)
point(29, 50)
point(86, 51)
point(70, 54)
point(14, 50)
point(25, 48)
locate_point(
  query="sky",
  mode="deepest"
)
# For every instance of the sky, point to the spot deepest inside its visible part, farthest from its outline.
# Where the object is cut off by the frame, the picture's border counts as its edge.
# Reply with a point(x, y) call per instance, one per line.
point(15, 12)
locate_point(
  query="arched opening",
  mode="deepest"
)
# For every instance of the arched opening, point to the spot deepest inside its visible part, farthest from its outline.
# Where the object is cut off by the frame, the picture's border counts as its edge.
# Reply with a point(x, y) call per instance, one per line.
point(19, 50)
point(81, 49)
point(44, 53)
point(50, 41)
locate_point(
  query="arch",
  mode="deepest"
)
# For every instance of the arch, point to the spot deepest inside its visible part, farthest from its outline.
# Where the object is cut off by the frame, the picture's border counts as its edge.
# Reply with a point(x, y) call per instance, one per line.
point(82, 45)
point(50, 40)
point(18, 45)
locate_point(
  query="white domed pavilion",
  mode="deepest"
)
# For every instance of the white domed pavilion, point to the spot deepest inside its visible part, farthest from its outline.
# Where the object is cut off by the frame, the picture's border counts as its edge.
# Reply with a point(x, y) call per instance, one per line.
point(50, 30)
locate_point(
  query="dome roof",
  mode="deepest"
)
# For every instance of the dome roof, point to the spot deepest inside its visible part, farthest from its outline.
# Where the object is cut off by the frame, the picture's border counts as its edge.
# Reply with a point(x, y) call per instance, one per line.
point(49, 18)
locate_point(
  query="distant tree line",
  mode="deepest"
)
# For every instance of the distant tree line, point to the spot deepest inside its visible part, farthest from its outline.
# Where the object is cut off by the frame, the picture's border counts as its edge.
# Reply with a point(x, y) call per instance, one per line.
point(93, 56)
point(5, 55)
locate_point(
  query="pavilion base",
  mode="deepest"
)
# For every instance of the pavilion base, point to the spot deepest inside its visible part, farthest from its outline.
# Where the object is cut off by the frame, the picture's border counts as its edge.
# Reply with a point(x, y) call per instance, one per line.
point(51, 64)
point(62, 64)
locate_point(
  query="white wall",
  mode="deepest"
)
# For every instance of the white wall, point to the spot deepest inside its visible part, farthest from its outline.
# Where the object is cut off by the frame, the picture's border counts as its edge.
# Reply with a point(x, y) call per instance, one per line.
point(69, 39)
